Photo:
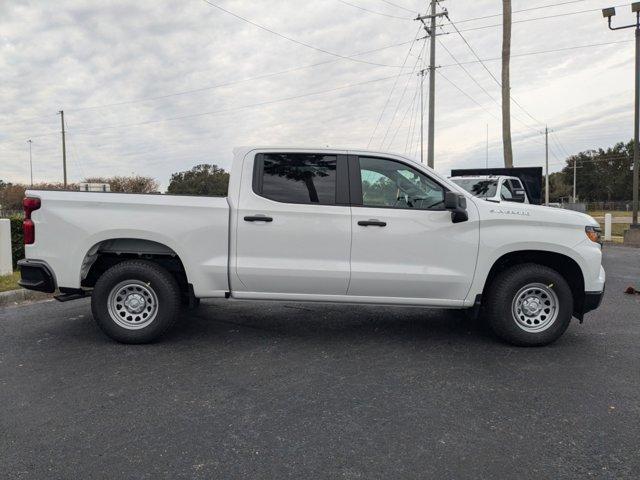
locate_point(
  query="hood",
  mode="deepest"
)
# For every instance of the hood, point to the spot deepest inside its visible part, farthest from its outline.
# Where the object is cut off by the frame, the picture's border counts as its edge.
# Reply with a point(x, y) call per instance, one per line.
point(533, 213)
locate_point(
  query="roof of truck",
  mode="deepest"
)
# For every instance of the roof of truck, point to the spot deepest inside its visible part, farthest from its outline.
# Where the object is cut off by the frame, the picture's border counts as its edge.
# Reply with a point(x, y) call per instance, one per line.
point(244, 149)
point(473, 177)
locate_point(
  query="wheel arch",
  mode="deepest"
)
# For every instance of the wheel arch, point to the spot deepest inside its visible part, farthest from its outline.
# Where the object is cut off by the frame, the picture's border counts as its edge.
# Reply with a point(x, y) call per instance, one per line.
point(561, 263)
point(109, 252)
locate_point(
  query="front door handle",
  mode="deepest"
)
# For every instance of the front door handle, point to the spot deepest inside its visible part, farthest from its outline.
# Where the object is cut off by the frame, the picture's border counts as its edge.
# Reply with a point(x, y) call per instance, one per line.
point(258, 218)
point(372, 223)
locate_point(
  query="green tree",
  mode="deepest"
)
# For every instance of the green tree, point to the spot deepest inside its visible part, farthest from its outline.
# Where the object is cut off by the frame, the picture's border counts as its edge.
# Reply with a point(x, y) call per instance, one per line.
point(603, 174)
point(558, 190)
point(200, 180)
point(12, 194)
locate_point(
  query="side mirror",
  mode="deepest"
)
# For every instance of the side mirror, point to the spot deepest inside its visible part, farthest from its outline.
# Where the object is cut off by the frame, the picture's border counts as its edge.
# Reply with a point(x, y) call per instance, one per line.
point(519, 195)
point(456, 203)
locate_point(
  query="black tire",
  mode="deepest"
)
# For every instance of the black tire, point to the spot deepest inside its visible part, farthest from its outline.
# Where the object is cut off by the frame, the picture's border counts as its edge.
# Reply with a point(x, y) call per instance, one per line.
point(155, 292)
point(518, 327)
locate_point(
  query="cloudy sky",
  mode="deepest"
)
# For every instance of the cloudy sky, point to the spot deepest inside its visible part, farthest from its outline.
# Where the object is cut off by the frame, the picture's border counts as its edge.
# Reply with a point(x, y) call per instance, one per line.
point(155, 87)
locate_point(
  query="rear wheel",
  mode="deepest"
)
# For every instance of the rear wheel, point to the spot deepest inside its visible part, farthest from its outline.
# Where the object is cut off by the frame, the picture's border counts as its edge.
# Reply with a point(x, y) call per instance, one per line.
point(529, 305)
point(135, 301)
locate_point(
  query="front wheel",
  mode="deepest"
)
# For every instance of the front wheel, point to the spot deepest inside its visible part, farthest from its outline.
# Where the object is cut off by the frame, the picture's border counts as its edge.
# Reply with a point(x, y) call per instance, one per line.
point(529, 305)
point(135, 301)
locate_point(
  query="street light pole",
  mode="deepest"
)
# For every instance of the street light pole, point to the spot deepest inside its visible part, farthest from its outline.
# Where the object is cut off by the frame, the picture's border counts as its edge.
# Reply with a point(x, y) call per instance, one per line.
point(636, 125)
point(609, 13)
point(30, 162)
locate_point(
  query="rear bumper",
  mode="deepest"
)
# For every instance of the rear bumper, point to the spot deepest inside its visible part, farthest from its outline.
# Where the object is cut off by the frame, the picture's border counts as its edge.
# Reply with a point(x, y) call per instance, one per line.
point(36, 275)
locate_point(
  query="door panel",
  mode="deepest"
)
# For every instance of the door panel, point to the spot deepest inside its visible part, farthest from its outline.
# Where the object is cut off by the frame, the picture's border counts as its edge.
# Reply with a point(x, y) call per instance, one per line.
point(405, 244)
point(418, 254)
point(305, 247)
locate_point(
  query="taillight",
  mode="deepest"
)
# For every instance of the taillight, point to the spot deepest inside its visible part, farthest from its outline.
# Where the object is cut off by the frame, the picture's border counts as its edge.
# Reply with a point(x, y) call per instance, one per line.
point(30, 204)
point(28, 231)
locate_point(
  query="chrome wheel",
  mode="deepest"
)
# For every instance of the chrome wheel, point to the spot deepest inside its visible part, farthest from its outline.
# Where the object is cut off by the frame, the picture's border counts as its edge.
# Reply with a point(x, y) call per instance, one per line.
point(132, 304)
point(535, 307)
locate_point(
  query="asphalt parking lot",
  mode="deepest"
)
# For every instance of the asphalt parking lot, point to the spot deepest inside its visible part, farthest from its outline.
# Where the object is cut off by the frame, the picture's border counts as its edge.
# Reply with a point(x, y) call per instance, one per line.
point(262, 390)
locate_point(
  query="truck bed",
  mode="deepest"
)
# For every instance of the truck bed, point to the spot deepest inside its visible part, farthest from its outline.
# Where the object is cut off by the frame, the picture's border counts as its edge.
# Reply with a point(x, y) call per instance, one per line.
point(72, 226)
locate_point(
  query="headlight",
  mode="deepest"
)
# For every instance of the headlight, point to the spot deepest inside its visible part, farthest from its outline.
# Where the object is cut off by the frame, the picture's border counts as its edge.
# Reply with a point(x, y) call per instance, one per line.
point(594, 234)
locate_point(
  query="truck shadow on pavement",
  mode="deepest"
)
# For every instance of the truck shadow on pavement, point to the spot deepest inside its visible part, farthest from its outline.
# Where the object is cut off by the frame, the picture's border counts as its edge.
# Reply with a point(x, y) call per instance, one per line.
point(224, 323)
point(326, 323)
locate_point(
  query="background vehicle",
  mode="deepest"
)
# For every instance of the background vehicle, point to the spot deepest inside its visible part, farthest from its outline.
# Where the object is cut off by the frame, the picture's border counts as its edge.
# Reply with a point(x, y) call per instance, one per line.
point(315, 225)
point(493, 188)
point(530, 178)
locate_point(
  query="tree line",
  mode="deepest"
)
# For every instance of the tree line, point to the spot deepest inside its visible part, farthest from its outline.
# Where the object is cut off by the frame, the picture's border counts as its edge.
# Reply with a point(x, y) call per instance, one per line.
point(202, 179)
point(602, 175)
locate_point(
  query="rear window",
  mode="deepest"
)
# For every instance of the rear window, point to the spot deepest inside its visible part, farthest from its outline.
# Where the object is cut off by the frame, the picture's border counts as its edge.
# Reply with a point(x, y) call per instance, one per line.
point(482, 188)
point(297, 177)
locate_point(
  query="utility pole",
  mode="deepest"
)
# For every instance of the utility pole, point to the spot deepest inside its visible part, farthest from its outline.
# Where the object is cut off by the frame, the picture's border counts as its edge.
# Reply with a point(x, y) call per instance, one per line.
point(486, 161)
point(506, 93)
point(431, 33)
point(546, 132)
point(64, 150)
point(432, 83)
point(575, 167)
point(422, 73)
point(608, 13)
point(30, 161)
point(546, 169)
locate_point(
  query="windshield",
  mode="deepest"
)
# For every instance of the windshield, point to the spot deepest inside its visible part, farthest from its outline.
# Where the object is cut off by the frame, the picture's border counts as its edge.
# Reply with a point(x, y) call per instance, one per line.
point(482, 188)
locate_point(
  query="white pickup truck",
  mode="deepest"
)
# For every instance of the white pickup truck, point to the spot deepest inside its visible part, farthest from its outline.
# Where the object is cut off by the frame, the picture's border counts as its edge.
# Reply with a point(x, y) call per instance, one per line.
point(315, 225)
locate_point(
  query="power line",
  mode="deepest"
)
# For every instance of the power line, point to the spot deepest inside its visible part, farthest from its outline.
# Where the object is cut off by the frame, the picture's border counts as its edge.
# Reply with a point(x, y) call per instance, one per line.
point(412, 121)
point(458, 63)
point(404, 116)
point(74, 156)
point(557, 15)
point(281, 72)
point(483, 107)
point(513, 99)
point(242, 107)
point(539, 52)
point(399, 103)
point(520, 11)
point(373, 11)
point(466, 71)
point(386, 103)
point(398, 6)
point(467, 95)
point(291, 39)
point(235, 82)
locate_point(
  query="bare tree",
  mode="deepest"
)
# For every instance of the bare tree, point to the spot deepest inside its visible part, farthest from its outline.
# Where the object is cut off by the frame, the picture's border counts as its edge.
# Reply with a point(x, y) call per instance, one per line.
point(506, 87)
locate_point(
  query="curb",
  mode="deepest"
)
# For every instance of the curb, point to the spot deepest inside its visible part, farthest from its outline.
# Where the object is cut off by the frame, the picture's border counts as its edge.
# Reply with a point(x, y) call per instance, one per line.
point(16, 297)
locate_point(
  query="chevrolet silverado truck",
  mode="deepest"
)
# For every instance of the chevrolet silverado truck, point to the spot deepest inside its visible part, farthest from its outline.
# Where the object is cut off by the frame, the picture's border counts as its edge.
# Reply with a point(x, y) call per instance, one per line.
point(315, 225)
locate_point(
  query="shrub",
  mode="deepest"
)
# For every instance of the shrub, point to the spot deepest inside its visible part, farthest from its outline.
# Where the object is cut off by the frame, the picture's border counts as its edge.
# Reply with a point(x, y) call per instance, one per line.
point(17, 243)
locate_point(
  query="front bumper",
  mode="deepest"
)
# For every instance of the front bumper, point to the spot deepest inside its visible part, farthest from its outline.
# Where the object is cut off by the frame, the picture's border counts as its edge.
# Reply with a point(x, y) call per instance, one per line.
point(592, 300)
point(36, 276)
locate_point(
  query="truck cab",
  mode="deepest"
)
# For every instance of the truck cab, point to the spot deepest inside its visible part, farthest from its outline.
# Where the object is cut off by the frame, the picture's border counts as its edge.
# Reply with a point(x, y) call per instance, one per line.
point(493, 188)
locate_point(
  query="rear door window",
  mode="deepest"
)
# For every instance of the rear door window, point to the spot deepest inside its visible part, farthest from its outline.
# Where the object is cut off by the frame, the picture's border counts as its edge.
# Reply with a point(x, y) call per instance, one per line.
point(296, 177)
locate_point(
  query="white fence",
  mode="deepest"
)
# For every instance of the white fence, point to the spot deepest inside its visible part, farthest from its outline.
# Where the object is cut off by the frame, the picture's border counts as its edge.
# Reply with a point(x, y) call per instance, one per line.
point(6, 266)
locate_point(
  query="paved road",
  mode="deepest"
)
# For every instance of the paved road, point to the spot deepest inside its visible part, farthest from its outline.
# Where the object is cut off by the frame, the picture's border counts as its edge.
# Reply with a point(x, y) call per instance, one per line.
point(261, 390)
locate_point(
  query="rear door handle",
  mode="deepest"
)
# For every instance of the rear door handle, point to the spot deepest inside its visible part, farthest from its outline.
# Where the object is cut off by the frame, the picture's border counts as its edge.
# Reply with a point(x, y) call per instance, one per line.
point(258, 218)
point(372, 223)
